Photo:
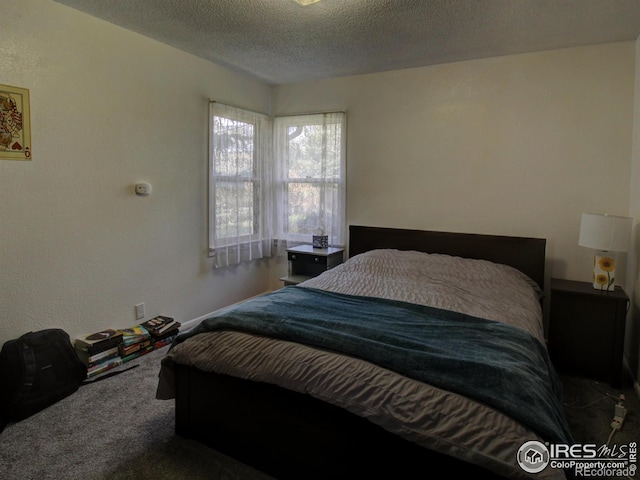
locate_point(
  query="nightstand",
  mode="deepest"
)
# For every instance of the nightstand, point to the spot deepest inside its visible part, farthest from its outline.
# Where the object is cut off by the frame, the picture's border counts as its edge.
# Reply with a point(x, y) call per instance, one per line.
point(586, 330)
point(306, 262)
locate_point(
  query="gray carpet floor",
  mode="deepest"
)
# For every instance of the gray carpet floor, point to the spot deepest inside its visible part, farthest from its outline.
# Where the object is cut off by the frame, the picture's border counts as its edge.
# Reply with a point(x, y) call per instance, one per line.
point(589, 408)
point(116, 429)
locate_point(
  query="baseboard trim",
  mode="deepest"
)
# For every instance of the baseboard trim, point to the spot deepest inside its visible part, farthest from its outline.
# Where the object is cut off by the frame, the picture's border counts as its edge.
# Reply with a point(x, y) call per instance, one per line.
point(189, 324)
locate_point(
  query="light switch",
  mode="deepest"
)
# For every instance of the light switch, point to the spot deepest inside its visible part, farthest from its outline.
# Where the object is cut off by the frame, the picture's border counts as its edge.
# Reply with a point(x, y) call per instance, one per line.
point(143, 189)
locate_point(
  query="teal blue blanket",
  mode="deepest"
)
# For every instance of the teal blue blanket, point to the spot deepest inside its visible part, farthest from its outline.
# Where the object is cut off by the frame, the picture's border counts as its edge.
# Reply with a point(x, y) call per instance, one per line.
point(491, 362)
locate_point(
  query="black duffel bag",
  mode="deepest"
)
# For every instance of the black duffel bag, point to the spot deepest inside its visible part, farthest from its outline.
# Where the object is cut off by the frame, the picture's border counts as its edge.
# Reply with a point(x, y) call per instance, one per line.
point(37, 370)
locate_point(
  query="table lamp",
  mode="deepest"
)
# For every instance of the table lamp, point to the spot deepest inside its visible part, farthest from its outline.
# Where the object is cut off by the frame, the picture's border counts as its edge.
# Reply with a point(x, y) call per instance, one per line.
point(607, 234)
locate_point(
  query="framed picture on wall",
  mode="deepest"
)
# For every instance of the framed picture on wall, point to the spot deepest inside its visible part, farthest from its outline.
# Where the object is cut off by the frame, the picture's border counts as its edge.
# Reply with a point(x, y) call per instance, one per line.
point(15, 123)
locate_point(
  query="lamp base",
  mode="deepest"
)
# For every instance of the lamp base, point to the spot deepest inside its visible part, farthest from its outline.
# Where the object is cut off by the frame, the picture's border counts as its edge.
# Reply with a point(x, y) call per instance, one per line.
point(604, 271)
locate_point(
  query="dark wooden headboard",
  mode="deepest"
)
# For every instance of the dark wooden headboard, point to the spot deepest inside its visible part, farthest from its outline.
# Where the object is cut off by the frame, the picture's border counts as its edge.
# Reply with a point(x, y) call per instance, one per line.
point(525, 254)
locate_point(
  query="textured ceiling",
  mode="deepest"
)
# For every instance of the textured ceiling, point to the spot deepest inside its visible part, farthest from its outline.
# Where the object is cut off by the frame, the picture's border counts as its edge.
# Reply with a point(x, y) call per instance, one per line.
point(280, 41)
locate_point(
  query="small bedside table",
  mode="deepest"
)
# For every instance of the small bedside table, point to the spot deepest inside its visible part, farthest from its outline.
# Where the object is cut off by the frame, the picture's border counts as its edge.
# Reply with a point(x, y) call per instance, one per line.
point(306, 262)
point(586, 329)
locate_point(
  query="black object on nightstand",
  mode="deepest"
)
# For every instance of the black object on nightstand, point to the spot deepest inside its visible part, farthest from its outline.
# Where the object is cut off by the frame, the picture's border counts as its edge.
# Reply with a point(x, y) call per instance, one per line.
point(306, 262)
point(586, 330)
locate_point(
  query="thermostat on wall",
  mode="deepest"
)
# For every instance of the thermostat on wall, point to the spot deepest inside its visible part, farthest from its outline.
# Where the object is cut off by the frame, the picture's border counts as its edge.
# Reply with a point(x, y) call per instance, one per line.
point(143, 189)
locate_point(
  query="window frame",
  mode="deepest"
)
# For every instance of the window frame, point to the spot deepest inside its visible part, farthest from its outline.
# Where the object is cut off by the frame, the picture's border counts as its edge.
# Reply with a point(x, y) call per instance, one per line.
point(283, 180)
point(259, 122)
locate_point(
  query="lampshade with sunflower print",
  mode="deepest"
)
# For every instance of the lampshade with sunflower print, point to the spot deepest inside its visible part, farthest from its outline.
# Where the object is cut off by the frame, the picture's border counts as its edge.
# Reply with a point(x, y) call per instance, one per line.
point(607, 234)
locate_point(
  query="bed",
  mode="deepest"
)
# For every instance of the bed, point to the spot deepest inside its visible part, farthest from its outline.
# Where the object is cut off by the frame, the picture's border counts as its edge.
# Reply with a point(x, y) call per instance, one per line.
point(424, 350)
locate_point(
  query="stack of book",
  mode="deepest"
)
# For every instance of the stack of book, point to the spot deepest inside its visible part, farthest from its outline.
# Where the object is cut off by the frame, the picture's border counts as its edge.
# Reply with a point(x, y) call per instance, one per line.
point(99, 351)
point(163, 330)
point(136, 341)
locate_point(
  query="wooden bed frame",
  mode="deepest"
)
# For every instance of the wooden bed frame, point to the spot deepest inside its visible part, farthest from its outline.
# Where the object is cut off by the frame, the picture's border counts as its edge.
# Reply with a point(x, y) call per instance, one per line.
point(289, 435)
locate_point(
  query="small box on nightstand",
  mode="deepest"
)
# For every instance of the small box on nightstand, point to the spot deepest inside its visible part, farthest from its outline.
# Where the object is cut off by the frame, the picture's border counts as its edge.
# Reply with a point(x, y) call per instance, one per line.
point(320, 241)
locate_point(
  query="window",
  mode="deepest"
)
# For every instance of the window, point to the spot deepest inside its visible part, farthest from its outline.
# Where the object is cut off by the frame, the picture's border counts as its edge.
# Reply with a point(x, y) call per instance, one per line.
point(310, 177)
point(238, 154)
point(274, 184)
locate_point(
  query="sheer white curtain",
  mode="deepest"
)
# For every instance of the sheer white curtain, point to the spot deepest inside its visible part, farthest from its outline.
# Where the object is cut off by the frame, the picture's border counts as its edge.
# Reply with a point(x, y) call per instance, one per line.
point(309, 178)
point(239, 196)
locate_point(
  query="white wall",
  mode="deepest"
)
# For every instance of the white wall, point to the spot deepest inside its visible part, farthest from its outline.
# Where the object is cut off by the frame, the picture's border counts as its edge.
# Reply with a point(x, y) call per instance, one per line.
point(109, 108)
point(515, 145)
